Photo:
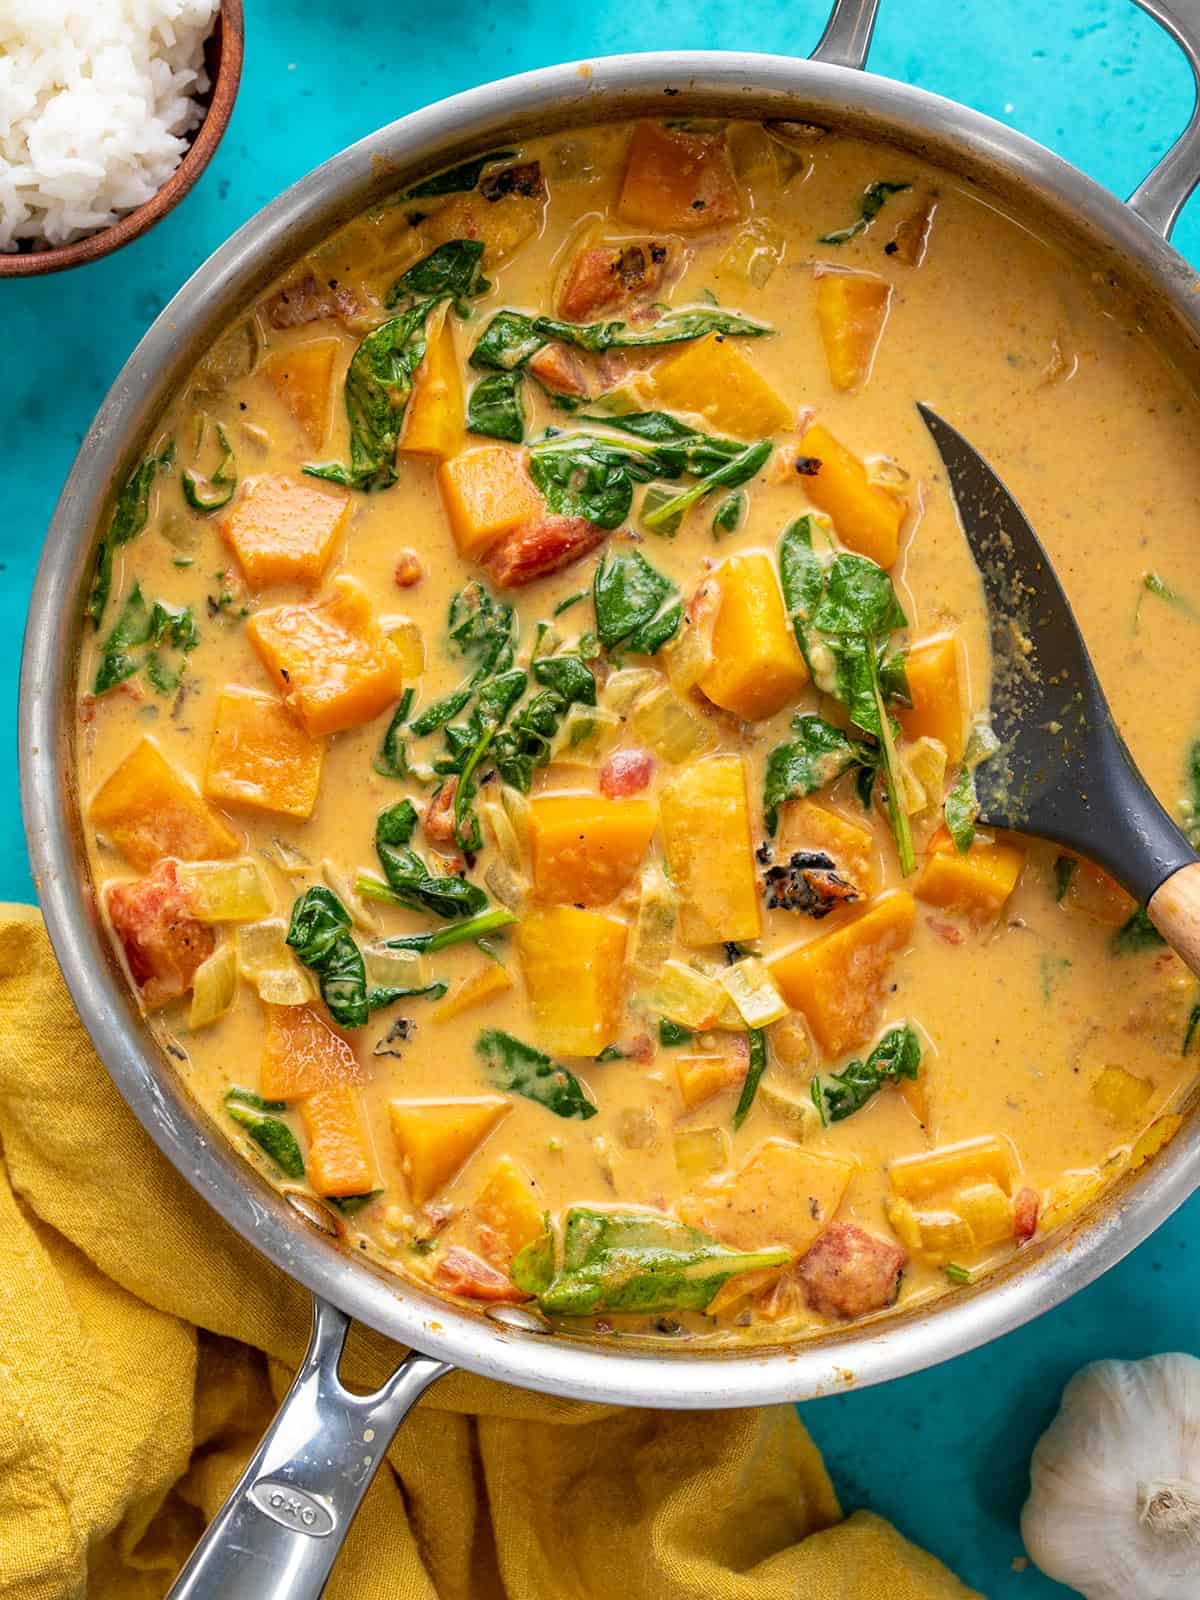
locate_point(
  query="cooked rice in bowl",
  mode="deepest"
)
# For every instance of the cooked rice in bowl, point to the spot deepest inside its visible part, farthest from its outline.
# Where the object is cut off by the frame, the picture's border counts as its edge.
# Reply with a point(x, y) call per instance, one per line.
point(96, 105)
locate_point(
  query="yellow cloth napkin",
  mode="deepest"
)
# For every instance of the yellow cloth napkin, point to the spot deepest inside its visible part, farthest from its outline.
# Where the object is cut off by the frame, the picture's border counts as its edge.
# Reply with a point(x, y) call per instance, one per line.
point(143, 1347)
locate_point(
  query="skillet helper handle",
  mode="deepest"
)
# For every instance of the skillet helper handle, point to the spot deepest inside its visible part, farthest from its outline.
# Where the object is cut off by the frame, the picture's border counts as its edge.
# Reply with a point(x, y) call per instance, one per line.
point(847, 36)
point(279, 1533)
point(1160, 198)
point(1174, 909)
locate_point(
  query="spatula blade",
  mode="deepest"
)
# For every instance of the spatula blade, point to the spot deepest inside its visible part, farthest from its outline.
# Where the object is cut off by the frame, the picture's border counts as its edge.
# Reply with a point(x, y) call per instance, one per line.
point(1062, 770)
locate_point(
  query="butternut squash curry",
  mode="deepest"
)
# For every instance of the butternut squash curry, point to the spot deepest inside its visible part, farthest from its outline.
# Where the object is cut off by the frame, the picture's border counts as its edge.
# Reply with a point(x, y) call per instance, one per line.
point(528, 712)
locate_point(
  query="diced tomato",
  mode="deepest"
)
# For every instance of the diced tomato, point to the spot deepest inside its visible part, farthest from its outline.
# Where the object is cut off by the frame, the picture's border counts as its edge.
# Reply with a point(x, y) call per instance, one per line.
point(408, 570)
point(464, 1273)
point(602, 277)
point(1026, 1205)
point(557, 368)
point(946, 931)
point(641, 1048)
point(439, 819)
point(626, 772)
point(538, 548)
point(850, 1272)
point(163, 942)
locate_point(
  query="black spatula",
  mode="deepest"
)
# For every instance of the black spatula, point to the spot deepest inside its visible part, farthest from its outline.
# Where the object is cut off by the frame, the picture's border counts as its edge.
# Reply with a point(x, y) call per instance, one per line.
point(1062, 770)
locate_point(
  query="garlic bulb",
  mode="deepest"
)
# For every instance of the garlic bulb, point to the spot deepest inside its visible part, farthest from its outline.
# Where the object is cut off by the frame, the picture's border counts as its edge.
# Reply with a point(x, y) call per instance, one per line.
point(1114, 1504)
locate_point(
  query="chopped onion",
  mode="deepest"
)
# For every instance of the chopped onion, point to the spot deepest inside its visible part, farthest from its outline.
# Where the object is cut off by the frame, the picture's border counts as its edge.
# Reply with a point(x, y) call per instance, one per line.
point(214, 988)
point(510, 888)
point(269, 964)
point(654, 929)
point(701, 1153)
point(683, 995)
point(581, 732)
point(622, 688)
point(662, 723)
point(361, 915)
point(226, 891)
point(751, 988)
point(500, 826)
point(394, 969)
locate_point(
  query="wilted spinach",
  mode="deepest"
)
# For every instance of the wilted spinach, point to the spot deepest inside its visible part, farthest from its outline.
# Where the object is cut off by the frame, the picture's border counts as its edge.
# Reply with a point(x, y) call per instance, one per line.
point(872, 203)
point(630, 1261)
point(511, 337)
point(754, 1075)
point(496, 408)
point(819, 754)
point(129, 517)
point(525, 745)
point(138, 636)
point(668, 510)
point(480, 927)
point(212, 491)
point(409, 878)
point(580, 475)
point(518, 1068)
point(637, 607)
point(729, 513)
point(678, 448)
point(962, 802)
point(839, 1094)
point(320, 935)
point(1136, 933)
point(274, 1138)
point(458, 180)
point(451, 272)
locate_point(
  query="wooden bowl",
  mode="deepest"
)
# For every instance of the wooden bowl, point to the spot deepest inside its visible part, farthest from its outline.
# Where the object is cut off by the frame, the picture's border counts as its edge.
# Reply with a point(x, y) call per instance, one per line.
point(223, 61)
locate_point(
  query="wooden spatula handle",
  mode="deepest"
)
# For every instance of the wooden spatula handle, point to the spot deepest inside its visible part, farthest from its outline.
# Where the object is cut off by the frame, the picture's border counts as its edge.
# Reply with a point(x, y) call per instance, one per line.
point(1174, 909)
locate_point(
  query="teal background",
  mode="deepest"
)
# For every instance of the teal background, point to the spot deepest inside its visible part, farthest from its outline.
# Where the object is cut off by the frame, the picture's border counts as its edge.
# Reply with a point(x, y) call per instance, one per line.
point(945, 1453)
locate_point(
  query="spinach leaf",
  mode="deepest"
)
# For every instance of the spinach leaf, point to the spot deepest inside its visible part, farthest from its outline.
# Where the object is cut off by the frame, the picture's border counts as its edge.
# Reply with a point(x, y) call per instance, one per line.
point(729, 513)
point(1136, 933)
point(409, 877)
point(758, 1065)
point(571, 600)
point(871, 204)
point(675, 327)
point(482, 629)
point(672, 1034)
point(637, 608)
point(130, 515)
point(1064, 871)
point(518, 1068)
point(124, 651)
point(247, 1097)
point(495, 408)
point(677, 446)
point(1190, 807)
point(216, 490)
point(506, 343)
point(962, 803)
point(840, 1094)
point(666, 515)
point(630, 1261)
point(274, 1138)
point(449, 272)
point(480, 927)
point(392, 760)
point(526, 743)
point(807, 763)
point(579, 475)
point(378, 385)
point(351, 1204)
point(320, 935)
point(1153, 584)
point(457, 180)
point(493, 703)
point(1189, 1034)
point(441, 712)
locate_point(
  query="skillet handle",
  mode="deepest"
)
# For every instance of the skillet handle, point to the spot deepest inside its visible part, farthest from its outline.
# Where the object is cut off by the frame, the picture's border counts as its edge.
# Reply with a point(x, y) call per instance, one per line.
point(1160, 198)
point(279, 1533)
point(847, 36)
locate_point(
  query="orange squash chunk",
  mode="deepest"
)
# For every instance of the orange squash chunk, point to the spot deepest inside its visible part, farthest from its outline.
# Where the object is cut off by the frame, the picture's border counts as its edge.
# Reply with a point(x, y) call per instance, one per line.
point(438, 1137)
point(260, 756)
point(678, 181)
point(757, 668)
point(433, 422)
point(837, 981)
point(867, 517)
point(486, 492)
point(302, 377)
point(852, 308)
point(701, 1077)
point(147, 809)
point(706, 836)
point(712, 377)
point(804, 825)
point(573, 964)
point(339, 1158)
point(509, 1212)
point(783, 1195)
point(587, 848)
point(978, 883)
point(334, 665)
point(935, 686)
point(302, 1054)
point(284, 531)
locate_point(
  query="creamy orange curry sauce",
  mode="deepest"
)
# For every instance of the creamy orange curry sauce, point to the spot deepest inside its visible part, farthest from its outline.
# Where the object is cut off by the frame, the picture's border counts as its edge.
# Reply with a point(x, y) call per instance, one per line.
point(528, 718)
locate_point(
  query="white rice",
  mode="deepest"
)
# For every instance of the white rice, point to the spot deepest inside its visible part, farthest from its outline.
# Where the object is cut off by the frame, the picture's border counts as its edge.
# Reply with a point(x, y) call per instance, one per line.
point(95, 101)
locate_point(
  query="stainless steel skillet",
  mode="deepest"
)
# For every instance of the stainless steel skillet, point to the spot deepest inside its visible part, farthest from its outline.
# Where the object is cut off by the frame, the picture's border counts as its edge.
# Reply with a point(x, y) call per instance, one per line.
point(280, 1532)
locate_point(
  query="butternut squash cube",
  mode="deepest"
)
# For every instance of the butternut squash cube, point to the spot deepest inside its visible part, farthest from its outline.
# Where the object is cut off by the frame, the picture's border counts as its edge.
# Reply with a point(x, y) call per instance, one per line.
point(935, 686)
point(302, 377)
point(1065, 1199)
point(586, 849)
point(702, 1076)
point(1121, 1094)
point(677, 182)
point(433, 422)
point(147, 809)
point(573, 963)
point(804, 825)
point(334, 665)
point(1156, 1137)
point(978, 883)
point(785, 1194)
point(953, 1167)
point(867, 517)
point(482, 986)
point(284, 531)
point(436, 1138)
point(503, 224)
point(938, 1234)
point(757, 668)
point(713, 378)
point(987, 1211)
point(852, 308)
point(338, 1161)
point(303, 1054)
point(511, 1209)
point(705, 818)
point(838, 980)
point(260, 756)
point(486, 491)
